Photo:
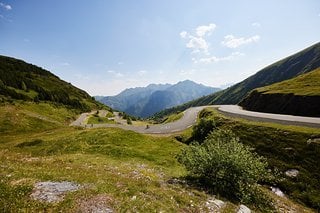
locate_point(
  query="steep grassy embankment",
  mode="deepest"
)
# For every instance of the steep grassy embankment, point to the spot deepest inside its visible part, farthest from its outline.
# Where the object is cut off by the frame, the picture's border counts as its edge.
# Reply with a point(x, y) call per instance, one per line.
point(297, 96)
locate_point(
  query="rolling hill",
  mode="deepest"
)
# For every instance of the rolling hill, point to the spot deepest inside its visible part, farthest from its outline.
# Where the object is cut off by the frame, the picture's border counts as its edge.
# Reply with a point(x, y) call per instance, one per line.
point(296, 96)
point(292, 66)
point(23, 81)
point(145, 101)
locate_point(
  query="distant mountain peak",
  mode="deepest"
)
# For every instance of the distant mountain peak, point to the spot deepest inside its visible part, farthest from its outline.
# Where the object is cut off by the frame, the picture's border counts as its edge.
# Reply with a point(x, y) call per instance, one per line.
point(145, 101)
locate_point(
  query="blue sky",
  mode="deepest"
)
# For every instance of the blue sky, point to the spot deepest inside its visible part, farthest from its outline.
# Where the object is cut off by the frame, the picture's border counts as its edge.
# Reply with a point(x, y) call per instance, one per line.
point(105, 46)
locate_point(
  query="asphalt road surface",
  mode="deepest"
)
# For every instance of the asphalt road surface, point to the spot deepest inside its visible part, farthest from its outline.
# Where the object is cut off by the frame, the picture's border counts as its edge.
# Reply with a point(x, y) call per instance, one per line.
point(237, 111)
point(190, 117)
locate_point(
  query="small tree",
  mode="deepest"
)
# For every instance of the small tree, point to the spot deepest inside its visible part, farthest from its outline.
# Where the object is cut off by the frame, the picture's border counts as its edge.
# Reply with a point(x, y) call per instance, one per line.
point(226, 165)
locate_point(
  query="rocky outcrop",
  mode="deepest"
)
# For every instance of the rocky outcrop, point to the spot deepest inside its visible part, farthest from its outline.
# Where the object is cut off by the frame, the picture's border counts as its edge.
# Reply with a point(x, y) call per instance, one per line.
point(282, 104)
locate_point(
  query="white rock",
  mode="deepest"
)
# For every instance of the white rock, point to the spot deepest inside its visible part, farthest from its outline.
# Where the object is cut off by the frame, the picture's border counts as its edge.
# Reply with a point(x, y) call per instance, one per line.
point(243, 209)
point(277, 191)
point(53, 191)
point(292, 172)
point(218, 203)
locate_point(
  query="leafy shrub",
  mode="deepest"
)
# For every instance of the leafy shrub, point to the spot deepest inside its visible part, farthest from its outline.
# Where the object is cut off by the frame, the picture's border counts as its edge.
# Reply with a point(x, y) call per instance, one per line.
point(202, 129)
point(227, 166)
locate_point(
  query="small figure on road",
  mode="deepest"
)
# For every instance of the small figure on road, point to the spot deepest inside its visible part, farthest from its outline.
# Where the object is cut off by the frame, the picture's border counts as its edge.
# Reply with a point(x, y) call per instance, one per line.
point(147, 127)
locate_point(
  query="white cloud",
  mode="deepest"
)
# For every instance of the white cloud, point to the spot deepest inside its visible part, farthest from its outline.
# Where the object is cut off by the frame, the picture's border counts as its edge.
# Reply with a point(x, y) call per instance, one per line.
point(197, 44)
point(214, 59)
point(204, 29)
point(110, 71)
point(256, 24)
point(5, 6)
point(183, 34)
point(233, 42)
point(142, 72)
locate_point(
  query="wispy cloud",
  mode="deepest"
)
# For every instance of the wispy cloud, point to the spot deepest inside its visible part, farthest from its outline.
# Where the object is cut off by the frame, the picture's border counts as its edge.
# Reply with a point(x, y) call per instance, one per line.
point(214, 59)
point(197, 41)
point(142, 72)
point(205, 29)
point(115, 74)
point(183, 34)
point(186, 72)
point(5, 6)
point(65, 64)
point(256, 24)
point(232, 42)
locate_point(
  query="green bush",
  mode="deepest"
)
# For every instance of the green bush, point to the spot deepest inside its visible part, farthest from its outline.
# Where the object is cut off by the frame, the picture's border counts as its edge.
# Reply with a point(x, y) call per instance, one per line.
point(129, 121)
point(227, 166)
point(202, 129)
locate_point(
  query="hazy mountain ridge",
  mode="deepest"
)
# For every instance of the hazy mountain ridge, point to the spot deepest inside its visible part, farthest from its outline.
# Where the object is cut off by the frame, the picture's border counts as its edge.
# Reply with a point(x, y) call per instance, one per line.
point(145, 101)
point(287, 68)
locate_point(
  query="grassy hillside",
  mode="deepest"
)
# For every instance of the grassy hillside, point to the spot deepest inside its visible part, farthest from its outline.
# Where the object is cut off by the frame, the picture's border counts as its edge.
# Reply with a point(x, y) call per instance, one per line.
point(22, 81)
point(297, 96)
point(118, 169)
point(292, 66)
point(307, 84)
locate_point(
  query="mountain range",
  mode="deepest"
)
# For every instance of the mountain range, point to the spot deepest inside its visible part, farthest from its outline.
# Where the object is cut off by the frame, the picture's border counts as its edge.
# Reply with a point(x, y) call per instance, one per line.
point(145, 101)
point(287, 68)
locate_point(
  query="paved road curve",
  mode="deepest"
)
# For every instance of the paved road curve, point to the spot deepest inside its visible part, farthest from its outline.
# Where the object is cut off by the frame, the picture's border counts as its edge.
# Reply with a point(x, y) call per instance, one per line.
point(237, 111)
point(190, 118)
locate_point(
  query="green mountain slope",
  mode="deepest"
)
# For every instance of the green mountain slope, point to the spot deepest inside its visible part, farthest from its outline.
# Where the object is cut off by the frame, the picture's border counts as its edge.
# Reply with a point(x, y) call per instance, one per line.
point(22, 81)
point(296, 96)
point(292, 66)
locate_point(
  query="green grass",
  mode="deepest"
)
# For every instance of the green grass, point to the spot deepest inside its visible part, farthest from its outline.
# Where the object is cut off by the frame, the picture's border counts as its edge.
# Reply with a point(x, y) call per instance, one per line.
point(306, 84)
point(27, 117)
point(173, 117)
point(31, 93)
point(285, 147)
point(99, 120)
point(121, 164)
point(131, 169)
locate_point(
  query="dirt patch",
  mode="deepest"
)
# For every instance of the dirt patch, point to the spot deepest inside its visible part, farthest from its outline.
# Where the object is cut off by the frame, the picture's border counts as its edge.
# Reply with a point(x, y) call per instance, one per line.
point(97, 204)
point(52, 192)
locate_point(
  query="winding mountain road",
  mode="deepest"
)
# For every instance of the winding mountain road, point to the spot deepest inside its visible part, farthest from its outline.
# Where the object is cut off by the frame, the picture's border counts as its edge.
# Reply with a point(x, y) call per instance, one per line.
point(190, 117)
